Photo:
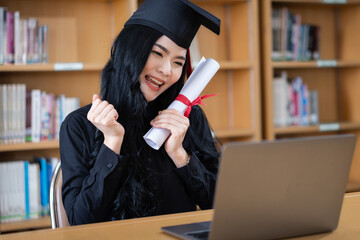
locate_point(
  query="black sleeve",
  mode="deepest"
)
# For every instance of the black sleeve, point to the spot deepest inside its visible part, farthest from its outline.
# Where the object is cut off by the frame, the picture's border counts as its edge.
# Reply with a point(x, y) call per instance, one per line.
point(199, 176)
point(88, 190)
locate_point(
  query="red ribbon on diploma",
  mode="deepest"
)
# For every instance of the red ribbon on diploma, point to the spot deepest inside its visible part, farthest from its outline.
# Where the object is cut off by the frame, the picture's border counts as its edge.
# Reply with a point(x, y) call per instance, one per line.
point(187, 102)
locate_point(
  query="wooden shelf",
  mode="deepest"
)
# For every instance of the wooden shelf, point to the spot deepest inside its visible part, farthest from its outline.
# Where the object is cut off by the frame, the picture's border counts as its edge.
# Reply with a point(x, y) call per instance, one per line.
point(334, 2)
point(232, 65)
point(334, 77)
point(315, 64)
point(325, 127)
point(29, 146)
point(236, 108)
point(80, 35)
point(40, 223)
point(218, 1)
point(234, 133)
point(235, 112)
point(48, 67)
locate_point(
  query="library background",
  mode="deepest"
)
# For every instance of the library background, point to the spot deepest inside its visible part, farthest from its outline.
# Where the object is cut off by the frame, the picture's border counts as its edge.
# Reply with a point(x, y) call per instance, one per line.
point(289, 68)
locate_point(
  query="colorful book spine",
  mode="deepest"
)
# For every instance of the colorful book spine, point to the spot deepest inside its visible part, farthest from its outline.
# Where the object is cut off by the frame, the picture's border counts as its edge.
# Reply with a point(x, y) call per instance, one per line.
point(10, 37)
point(34, 190)
point(27, 194)
point(17, 39)
point(35, 115)
point(2, 36)
point(32, 51)
point(44, 44)
point(294, 103)
point(23, 42)
point(44, 188)
point(5, 130)
point(28, 116)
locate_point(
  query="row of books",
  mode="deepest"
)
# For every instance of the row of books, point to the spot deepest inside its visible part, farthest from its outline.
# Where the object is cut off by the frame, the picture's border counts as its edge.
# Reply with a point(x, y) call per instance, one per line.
point(22, 41)
point(31, 115)
point(292, 39)
point(24, 189)
point(294, 104)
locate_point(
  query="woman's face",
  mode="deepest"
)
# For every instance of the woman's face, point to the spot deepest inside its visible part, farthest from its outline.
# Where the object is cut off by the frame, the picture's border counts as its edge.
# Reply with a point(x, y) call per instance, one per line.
point(162, 69)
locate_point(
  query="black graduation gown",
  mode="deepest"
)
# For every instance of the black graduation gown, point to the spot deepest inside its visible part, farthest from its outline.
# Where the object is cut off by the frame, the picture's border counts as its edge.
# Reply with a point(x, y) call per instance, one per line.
point(89, 190)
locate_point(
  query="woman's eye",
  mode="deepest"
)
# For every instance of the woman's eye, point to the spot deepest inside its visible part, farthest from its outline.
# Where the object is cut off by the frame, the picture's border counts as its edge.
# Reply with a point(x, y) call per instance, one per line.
point(157, 53)
point(179, 64)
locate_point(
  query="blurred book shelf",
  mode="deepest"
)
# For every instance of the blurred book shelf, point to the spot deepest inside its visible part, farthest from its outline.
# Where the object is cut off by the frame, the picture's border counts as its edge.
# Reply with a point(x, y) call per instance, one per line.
point(48, 67)
point(235, 113)
point(68, 62)
point(315, 42)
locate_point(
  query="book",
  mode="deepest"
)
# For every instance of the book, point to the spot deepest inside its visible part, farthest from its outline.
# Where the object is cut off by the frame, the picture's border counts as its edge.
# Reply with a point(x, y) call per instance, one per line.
point(28, 131)
point(276, 33)
point(32, 37)
point(280, 104)
point(2, 133)
point(35, 115)
point(44, 187)
point(45, 117)
point(10, 37)
point(5, 35)
point(17, 38)
point(4, 100)
point(293, 102)
point(292, 39)
point(34, 190)
point(289, 34)
point(11, 105)
point(313, 107)
point(2, 36)
point(296, 35)
point(283, 33)
point(22, 110)
point(23, 42)
point(12, 195)
point(43, 43)
point(19, 198)
point(3, 198)
point(26, 189)
point(305, 105)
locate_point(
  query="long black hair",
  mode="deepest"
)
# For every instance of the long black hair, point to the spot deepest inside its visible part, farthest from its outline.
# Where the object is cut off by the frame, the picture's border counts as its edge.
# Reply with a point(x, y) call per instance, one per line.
point(120, 86)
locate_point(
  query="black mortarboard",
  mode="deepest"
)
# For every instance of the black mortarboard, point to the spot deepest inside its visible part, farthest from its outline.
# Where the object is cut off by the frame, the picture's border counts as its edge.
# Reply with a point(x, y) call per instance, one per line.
point(177, 19)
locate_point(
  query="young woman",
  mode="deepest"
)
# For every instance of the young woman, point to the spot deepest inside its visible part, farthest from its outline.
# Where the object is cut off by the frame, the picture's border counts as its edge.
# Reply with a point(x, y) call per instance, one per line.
point(109, 172)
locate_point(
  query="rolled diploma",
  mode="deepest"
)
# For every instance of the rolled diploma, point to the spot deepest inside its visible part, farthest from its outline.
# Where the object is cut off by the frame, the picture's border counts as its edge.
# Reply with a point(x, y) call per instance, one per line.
point(196, 83)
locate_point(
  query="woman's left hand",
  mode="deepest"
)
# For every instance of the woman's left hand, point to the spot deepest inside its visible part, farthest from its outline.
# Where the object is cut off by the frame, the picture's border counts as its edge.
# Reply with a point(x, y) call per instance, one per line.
point(177, 124)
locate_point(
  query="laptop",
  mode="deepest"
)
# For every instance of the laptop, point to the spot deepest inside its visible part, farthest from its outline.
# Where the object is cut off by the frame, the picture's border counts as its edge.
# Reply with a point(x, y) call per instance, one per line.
point(277, 189)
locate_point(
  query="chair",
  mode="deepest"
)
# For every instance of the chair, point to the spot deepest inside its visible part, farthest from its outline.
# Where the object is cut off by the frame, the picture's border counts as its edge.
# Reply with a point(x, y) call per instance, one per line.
point(57, 212)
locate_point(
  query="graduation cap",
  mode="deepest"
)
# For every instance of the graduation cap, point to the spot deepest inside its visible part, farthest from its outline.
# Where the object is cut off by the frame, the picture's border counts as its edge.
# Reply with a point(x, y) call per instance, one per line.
point(177, 19)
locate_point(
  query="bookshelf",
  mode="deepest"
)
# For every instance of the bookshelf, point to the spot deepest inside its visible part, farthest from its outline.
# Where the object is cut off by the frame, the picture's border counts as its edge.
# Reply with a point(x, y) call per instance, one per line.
point(80, 32)
point(235, 113)
point(334, 76)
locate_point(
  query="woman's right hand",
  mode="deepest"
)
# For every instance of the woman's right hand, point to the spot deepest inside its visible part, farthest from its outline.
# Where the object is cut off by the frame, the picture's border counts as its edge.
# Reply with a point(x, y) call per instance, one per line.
point(103, 115)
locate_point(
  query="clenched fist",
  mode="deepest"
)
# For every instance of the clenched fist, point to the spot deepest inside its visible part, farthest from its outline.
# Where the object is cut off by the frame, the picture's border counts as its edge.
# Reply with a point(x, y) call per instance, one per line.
point(104, 116)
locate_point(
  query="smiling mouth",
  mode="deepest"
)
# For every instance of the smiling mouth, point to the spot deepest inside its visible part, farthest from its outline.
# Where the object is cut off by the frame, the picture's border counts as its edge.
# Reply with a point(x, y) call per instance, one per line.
point(154, 82)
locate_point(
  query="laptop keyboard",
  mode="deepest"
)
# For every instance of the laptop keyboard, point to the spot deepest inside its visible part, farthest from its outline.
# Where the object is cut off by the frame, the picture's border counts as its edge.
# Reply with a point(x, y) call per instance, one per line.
point(203, 235)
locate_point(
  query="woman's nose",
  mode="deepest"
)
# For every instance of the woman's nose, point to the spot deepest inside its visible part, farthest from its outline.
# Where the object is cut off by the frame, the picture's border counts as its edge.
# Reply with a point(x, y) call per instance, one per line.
point(165, 67)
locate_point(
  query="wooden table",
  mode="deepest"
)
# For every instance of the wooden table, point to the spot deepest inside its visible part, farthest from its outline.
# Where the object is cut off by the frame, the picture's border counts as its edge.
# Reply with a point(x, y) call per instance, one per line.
point(150, 227)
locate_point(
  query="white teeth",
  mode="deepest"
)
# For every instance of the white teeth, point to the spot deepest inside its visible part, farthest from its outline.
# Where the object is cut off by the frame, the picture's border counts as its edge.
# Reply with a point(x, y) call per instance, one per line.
point(153, 84)
point(155, 81)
